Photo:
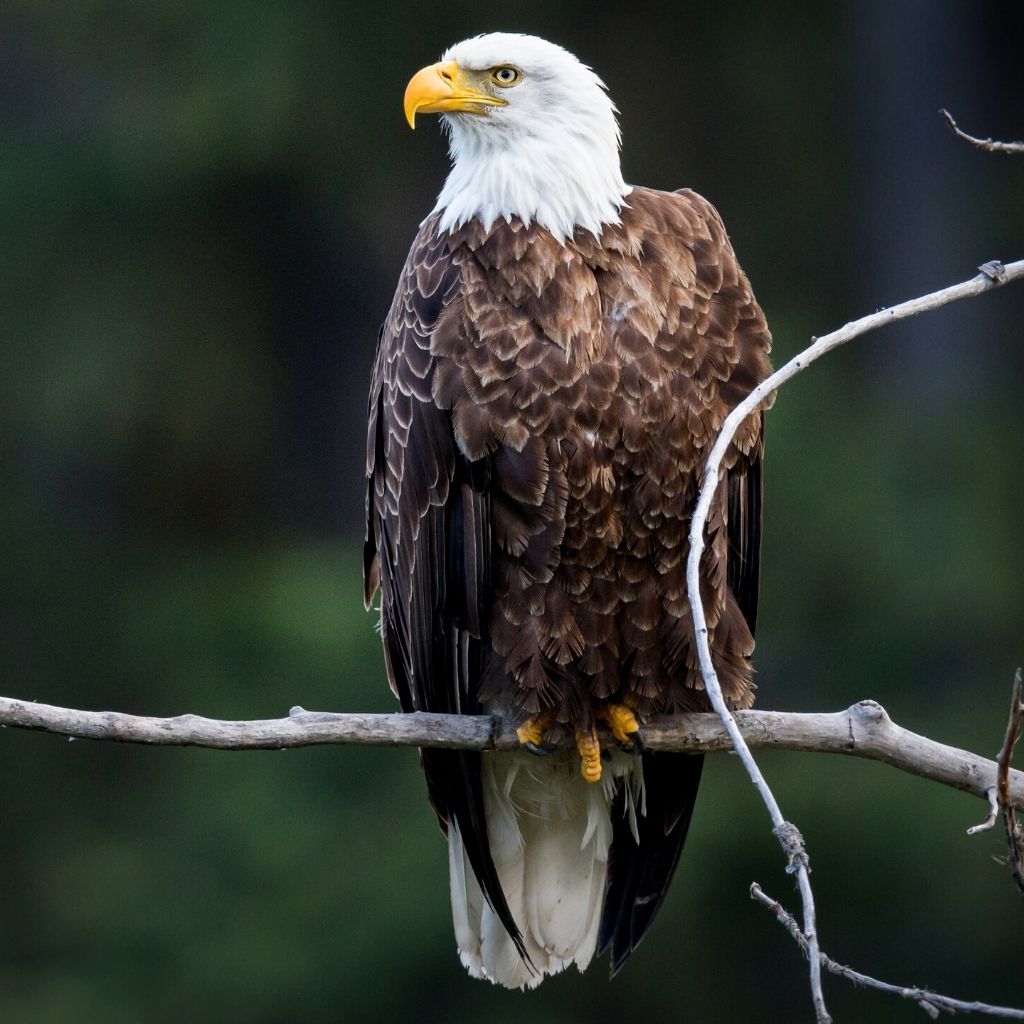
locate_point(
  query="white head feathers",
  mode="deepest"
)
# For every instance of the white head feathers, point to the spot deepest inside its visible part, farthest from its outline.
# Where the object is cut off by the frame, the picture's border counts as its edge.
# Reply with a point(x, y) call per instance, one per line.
point(549, 156)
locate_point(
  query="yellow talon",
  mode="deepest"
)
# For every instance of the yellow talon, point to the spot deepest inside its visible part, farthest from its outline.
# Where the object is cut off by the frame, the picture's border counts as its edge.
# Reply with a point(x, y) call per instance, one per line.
point(533, 729)
point(621, 721)
point(589, 747)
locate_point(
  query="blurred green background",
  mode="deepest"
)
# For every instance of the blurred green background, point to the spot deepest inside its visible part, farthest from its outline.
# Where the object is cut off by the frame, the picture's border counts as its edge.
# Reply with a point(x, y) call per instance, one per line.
point(204, 208)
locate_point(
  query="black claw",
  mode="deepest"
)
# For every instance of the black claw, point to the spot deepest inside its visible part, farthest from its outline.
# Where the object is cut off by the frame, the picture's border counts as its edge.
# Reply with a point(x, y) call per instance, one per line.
point(638, 743)
point(539, 751)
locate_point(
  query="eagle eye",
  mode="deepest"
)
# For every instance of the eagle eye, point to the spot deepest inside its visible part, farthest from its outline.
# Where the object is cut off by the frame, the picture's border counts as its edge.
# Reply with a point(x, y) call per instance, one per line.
point(506, 76)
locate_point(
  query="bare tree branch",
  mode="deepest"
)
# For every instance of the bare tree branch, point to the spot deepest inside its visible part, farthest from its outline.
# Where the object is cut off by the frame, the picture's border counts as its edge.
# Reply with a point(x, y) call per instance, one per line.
point(930, 1002)
point(863, 730)
point(989, 145)
point(992, 275)
point(1014, 832)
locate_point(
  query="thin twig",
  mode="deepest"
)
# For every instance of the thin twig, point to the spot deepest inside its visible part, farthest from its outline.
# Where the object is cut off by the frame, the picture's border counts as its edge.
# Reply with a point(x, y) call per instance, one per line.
point(931, 1002)
point(788, 835)
point(864, 730)
point(1014, 837)
point(989, 145)
point(993, 813)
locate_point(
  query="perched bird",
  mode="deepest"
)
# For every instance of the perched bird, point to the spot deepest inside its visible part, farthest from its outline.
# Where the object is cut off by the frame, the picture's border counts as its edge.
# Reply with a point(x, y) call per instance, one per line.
point(561, 351)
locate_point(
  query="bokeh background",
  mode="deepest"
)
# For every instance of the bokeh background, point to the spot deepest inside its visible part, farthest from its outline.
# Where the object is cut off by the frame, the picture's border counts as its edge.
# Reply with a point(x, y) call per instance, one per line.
point(204, 208)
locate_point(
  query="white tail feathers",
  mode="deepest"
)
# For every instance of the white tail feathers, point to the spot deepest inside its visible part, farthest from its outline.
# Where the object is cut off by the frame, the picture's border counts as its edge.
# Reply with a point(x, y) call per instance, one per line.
point(549, 833)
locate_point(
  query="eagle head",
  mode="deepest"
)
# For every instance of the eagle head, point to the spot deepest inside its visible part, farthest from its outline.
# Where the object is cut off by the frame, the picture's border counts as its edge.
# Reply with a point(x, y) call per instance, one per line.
point(533, 134)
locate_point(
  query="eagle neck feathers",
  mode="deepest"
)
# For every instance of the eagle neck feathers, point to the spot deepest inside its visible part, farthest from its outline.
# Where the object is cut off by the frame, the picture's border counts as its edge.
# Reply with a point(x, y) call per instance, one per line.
point(562, 174)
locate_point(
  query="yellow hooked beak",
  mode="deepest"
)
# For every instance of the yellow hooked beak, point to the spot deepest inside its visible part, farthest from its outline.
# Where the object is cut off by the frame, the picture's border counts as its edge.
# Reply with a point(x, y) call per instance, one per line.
point(444, 87)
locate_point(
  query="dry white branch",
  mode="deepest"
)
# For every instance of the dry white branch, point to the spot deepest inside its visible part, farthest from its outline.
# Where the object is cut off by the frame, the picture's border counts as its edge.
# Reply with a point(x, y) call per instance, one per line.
point(863, 730)
point(989, 145)
point(930, 1002)
point(992, 275)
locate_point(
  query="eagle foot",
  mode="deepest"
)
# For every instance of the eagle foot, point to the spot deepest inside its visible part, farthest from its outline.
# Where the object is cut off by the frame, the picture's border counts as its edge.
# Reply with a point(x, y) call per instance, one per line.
point(531, 733)
point(624, 726)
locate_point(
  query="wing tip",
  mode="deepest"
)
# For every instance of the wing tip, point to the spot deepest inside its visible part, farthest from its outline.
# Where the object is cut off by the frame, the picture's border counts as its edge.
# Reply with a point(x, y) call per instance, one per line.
point(638, 884)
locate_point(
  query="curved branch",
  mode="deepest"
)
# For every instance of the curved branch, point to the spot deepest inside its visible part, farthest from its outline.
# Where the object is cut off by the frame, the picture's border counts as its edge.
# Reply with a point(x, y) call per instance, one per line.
point(992, 275)
point(989, 145)
point(863, 730)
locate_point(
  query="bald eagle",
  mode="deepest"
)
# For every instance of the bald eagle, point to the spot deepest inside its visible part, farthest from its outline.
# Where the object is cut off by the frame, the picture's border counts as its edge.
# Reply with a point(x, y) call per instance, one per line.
point(561, 350)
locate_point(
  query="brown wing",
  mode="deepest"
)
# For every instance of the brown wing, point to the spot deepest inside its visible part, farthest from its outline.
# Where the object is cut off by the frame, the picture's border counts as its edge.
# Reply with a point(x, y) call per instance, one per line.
point(728, 316)
point(428, 546)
